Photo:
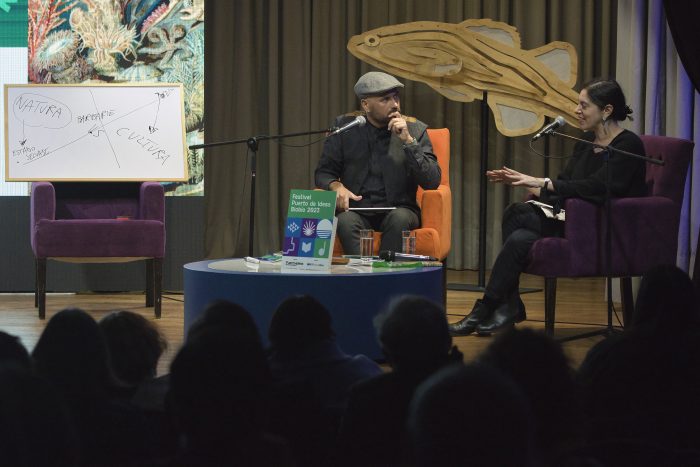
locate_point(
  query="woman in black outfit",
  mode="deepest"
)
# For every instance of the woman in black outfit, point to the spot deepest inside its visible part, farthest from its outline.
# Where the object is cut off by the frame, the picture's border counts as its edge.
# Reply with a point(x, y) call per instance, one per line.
point(601, 107)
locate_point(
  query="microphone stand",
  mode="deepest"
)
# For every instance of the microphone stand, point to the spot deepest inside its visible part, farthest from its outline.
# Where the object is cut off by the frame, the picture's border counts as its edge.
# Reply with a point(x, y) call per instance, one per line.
point(252, 144)
point(480, 286)
point(607, 151)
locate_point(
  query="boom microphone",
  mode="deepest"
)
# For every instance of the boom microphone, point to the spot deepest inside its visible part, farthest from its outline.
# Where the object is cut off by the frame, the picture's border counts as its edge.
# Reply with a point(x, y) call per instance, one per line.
point(359, 121)
point(394, 256)
point(557, 123)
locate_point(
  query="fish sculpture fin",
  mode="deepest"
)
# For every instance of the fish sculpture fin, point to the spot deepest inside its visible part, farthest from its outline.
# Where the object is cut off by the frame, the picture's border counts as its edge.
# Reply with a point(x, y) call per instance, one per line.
point(511, 118)
point(560, 58)
point(459, 93)
point(429, 59)
point(501, 32)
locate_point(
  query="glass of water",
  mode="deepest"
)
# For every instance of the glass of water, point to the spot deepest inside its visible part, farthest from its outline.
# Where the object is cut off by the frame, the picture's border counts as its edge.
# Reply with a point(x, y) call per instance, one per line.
point(366, 245)
point(408, 242)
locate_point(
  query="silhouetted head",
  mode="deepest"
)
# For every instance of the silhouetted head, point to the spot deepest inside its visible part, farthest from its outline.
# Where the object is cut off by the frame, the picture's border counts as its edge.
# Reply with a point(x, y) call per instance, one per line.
point(642, 385)
point(35, 428)
point(414, 335)
point(470, 415)
point(667, 300)
point(537, 365)
point(218, 383)
point(13, 352)
point(298, 323)
point(223, 314)
point(135, 344)
point(72, 354)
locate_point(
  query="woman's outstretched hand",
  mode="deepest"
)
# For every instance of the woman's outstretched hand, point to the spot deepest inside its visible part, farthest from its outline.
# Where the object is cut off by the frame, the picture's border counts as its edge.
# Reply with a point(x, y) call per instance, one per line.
point(512, 177)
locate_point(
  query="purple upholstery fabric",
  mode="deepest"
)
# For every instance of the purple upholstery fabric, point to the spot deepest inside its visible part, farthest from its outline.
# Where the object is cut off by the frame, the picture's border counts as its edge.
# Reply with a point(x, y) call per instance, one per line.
point(99, 238)
point(668, 180)
point(97, 208)
point(645, 230)
point(88, 227)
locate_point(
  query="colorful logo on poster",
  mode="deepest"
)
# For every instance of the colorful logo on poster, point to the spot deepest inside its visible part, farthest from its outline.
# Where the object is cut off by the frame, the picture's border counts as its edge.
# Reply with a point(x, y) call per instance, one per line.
point(293, 228)
point(324, 229)
point(308, 238)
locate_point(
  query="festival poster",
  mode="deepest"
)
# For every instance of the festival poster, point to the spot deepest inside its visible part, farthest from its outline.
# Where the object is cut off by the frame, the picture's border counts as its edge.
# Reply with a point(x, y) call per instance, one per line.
point(309, 232)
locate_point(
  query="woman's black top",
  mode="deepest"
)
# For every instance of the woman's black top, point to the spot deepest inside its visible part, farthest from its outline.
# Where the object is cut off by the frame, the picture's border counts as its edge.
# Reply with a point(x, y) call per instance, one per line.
point(584, 175)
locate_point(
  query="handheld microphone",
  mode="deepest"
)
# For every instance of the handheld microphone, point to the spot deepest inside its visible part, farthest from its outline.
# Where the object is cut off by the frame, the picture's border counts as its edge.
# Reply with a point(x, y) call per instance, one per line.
point(557, 123)
point(394, 256)
point(359, 121)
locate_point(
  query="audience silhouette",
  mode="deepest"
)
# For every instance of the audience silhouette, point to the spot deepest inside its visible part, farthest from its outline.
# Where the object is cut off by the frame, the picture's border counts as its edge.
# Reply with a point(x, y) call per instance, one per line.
point(226, 401)
point(71, 353)
point(538, 366)
point(13, 352)
point(415, 340)
point(219, 390)
point(312, 378)
point(495, 429)
point(641, 388)
point(135, 345)
point(667, 302)
point(35, 427)
point(225, 315)
point(303, 349)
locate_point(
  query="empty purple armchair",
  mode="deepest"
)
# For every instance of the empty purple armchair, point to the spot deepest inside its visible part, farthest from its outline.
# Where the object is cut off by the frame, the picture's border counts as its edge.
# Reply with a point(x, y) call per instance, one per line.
point(644, 230)
point(99, 223)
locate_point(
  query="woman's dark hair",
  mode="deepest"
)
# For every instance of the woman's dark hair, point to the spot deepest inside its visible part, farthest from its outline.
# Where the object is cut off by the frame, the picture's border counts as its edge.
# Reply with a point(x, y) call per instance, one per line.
point(413, 334)
point(135, 345)
point(12, 351)
point(604, 92)
point(72, 354)
point(667, 301)
point(299, 322)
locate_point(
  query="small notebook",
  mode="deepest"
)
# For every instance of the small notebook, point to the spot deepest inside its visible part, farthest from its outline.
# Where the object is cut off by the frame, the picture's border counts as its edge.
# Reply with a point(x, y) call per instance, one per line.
point(548, 210)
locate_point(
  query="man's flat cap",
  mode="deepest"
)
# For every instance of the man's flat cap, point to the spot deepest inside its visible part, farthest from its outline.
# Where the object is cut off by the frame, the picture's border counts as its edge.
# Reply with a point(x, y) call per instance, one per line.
point(375, 82)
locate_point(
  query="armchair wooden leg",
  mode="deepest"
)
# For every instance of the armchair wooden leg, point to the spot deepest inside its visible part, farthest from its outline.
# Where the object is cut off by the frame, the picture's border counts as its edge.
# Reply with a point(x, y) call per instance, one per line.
point(627, 300)
point(550, 302)
point(40, 287)
point(149, 282)
point(157, 285)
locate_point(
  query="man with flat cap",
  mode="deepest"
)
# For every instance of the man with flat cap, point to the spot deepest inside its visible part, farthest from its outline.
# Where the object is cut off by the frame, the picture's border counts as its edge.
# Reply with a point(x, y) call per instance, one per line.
point(378, 165)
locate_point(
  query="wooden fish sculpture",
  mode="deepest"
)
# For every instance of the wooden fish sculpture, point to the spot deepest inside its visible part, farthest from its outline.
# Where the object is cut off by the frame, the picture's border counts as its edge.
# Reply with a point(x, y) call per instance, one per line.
point(461, 61)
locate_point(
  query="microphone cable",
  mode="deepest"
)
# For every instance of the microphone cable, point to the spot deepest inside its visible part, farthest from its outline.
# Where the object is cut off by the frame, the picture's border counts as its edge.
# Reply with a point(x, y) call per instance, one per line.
point(302, 145)
point(544, 156)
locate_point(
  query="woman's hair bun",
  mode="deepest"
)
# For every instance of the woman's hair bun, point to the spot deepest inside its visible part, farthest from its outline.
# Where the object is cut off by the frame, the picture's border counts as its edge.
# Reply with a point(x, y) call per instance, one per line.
point(628, 112)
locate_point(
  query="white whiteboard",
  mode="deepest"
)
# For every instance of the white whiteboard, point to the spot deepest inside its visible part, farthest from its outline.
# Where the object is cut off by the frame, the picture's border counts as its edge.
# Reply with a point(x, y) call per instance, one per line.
point(114, 132)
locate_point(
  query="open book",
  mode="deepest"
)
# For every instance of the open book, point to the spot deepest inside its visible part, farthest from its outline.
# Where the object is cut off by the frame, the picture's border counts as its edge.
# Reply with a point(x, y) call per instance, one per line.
point(548, 210)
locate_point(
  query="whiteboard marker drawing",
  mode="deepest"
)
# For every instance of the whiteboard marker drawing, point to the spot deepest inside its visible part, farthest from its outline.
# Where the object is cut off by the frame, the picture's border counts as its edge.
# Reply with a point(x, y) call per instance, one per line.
point(95, 132)
point(116, 159)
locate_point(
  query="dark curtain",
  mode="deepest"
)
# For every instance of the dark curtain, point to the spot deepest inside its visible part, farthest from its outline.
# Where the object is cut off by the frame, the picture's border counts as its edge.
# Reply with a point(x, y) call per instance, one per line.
point(682, 17)
point(275, 67)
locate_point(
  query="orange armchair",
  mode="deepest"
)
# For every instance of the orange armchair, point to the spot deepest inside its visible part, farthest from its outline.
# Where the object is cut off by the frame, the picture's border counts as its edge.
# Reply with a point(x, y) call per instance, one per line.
point(434, 237)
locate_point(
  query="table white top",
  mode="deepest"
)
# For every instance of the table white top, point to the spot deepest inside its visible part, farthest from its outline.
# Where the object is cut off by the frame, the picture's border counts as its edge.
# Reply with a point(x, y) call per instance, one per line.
point(355, 266)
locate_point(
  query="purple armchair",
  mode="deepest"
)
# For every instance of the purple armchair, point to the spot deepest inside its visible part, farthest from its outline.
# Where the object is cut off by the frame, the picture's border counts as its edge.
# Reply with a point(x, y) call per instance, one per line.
point(99, 223)
point(644, 230)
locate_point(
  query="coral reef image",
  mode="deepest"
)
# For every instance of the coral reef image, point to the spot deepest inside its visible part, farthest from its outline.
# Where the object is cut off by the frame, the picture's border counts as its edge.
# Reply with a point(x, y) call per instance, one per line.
point(125, 41)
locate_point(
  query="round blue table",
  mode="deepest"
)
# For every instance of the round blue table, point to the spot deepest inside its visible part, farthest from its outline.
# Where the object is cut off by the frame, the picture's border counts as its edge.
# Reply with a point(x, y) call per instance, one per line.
point(353, 294)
